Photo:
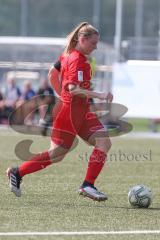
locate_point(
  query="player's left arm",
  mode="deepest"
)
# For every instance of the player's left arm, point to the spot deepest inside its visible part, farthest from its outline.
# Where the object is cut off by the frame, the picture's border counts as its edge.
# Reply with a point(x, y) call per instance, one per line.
point(53, 76)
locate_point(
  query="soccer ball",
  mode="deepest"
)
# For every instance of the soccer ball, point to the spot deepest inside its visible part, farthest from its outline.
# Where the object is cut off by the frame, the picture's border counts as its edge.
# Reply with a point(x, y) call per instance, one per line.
point(140, 196)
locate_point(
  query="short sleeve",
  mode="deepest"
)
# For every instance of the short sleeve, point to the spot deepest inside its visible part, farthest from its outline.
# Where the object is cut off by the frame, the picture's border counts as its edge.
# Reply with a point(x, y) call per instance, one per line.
point(75, 71)
point(57, 65)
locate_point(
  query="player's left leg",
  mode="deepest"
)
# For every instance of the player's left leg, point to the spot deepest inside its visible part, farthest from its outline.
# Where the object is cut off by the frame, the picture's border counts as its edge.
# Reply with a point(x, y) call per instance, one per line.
point(40, 161)
point(62, 138)
point(94, 133)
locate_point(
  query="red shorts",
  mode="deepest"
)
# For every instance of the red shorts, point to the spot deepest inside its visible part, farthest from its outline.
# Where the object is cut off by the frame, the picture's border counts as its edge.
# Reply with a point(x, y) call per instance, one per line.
point(74, 119)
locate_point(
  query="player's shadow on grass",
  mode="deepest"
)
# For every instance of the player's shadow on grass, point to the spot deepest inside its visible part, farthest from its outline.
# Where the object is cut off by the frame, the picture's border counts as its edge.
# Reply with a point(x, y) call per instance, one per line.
point(94, 204)
point(151, 209)
point(104, 205)
point(139, 209)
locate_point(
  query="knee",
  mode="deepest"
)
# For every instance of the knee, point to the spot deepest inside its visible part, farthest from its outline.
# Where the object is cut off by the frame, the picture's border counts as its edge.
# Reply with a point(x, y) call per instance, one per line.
point(56, 154)
point(109, 143)
point(104, 144)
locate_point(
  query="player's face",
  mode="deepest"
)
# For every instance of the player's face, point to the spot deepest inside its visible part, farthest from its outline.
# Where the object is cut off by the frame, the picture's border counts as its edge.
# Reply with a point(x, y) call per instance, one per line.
point(89, 44)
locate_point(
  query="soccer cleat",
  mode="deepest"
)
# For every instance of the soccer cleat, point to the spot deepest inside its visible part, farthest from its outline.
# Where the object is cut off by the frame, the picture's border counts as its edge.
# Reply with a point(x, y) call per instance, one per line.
point(91, 192)
point(14, 181)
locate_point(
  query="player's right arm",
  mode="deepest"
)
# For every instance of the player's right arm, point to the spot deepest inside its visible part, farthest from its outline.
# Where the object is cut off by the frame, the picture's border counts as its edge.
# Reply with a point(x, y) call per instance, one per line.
point(79, 71)
point(90, 94)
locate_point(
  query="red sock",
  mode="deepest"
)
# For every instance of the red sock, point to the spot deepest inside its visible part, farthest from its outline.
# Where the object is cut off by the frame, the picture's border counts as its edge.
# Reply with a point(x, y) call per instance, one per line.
point(37, 163)
point(95, 165)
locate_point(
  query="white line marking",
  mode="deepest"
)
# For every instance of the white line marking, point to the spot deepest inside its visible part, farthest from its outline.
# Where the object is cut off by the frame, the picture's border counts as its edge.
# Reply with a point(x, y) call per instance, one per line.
point(136, 232)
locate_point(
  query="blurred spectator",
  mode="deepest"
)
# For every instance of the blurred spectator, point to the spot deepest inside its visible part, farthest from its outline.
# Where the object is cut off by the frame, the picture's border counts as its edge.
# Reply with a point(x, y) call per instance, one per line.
point(12, 95)
point(2, 107)
point(46, 102)
point(9, 100)
point(28, 92)
point(1, 101)
point(27, 110)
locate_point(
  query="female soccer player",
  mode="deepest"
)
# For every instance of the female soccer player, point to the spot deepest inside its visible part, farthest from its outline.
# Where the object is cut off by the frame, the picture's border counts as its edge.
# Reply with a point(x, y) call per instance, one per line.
point(74, 116)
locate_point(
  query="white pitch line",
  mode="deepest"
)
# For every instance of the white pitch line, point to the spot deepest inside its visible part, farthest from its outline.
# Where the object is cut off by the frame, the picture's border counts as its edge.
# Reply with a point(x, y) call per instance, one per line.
point(136, 232)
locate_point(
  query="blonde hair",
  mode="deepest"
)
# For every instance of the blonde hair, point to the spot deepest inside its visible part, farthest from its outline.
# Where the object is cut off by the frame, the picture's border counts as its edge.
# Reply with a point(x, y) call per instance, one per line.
point(84, 29)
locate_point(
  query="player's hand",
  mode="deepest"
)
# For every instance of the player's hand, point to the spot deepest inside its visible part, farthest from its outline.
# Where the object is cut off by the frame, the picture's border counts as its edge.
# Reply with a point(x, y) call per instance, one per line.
point(109, 97)
point(106, 96)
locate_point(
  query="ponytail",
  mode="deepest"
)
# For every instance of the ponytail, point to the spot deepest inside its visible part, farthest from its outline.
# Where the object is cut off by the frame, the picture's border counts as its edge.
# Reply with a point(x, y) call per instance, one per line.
point(84, 29)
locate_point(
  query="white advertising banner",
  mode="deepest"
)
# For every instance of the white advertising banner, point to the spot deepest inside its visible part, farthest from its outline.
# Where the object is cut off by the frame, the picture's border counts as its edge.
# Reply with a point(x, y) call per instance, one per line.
point(136, 85)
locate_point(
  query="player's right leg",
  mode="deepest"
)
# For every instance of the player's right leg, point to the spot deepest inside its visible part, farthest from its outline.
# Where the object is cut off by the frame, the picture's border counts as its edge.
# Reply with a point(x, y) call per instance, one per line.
point(96, 135)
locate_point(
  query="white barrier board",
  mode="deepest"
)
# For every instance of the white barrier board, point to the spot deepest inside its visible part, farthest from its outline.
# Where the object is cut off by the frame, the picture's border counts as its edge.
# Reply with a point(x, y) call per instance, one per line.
point(136, 84)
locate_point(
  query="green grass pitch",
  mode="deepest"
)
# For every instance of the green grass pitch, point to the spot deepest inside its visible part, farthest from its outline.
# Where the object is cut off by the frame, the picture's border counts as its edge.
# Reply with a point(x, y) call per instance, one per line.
point(50, 201)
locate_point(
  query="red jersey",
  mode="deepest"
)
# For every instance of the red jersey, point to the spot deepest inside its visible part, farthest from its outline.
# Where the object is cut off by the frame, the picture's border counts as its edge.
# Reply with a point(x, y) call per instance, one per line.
point(75, 69)
point(74, 118)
